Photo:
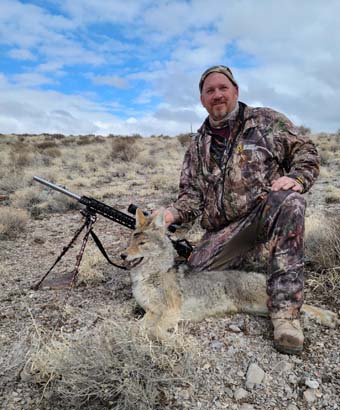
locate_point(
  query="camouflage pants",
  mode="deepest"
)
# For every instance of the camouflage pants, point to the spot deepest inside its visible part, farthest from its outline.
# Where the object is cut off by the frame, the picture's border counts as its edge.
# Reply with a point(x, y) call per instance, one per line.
point(269, 239)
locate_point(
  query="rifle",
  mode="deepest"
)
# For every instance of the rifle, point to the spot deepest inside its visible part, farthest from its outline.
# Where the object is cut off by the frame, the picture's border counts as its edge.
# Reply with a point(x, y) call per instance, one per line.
point(92, 208)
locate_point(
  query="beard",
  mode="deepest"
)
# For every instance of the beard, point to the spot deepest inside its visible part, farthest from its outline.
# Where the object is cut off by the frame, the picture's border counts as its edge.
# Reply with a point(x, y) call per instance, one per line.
point(219, 110)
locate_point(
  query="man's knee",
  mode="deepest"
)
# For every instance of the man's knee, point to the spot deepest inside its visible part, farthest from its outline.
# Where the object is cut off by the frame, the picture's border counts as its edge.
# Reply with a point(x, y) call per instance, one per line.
point(286, 199)
point(288, 195)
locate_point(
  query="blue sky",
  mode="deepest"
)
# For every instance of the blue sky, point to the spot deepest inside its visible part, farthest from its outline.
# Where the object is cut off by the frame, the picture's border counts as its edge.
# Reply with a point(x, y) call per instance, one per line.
point(124, 67)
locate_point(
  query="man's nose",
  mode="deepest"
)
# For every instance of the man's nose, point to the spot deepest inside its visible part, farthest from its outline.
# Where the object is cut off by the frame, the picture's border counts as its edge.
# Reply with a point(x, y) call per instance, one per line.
point(217, 95)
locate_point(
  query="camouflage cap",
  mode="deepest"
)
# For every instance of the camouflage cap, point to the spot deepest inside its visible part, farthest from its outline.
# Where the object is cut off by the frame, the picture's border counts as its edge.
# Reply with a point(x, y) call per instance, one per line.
point(217, 69)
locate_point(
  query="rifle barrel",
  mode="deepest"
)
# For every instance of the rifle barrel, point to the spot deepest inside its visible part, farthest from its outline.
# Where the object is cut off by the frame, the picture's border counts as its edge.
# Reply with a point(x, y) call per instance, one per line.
point(57, 187)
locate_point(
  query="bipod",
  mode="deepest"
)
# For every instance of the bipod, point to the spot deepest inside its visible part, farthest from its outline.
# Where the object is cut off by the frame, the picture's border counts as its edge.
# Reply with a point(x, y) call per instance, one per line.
point(70, 280)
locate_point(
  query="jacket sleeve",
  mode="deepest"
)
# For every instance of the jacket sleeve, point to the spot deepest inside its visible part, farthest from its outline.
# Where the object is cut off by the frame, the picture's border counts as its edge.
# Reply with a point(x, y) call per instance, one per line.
point(297, 154)
point(189, 203)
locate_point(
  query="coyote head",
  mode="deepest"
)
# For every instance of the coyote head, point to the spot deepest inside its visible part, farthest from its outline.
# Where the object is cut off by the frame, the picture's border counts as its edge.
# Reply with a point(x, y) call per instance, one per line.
point(149, 240)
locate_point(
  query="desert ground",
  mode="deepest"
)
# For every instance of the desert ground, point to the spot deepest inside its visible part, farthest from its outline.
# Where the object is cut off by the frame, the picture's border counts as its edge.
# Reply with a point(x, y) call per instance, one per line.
point(80, 348)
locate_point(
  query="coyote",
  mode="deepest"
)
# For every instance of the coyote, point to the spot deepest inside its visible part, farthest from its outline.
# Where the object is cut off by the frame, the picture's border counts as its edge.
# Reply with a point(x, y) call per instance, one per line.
point(169, 294)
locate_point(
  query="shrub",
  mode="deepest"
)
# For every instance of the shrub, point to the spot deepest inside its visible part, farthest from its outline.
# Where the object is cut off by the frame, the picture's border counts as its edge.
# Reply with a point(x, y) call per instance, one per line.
point(56, 203)
point(124, 149)
point(22, 154)
point(304, 130)
point(11, 180)
point(164, 183)
point(46, 144)
point(148, 161)
point(332, 196)
point(325, 157)
point(12, 222)
point(184, 139)
point(27, 198)
point(53, 152)
point(84, 140)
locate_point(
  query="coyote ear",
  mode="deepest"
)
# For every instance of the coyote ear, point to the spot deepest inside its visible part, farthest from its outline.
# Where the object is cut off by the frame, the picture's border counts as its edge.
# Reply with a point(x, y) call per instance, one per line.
point(140, 218)
point(159, 219)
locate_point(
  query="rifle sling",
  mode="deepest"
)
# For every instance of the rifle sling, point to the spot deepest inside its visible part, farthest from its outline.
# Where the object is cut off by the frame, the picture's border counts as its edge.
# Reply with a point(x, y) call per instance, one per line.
point(102, 250)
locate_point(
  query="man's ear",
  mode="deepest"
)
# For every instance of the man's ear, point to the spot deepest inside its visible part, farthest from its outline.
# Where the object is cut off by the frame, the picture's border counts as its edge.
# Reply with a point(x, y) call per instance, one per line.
point(141, 219)
point(202, 100)
point(159, 220)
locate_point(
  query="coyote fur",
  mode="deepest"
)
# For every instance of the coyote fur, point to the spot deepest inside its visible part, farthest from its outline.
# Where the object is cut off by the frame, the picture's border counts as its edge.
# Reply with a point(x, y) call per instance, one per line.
point(169, 294)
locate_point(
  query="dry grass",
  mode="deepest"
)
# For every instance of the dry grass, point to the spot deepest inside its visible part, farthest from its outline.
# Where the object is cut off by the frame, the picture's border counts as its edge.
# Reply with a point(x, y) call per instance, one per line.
point(11, 180)
point(328, 146)
point(325, 286)
point(322, 242)
point(12, 222)
point(166, 183)
point(322, 252)
point(92, 266)
point(28, 198)
point(332, 195)
point(326, 173)
point(110, 364)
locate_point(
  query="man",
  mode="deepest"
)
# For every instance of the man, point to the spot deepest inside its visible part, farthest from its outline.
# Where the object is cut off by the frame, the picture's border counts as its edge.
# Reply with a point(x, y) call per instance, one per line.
point(244, 173)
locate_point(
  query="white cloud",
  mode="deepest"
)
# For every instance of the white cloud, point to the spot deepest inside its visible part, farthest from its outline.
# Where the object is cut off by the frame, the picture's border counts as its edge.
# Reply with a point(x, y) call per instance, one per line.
point(110, 80)
point(31, 80)
point(26, 25)
point(284, 55)
point(21, 54)
point(86, 11)
point(24, 110)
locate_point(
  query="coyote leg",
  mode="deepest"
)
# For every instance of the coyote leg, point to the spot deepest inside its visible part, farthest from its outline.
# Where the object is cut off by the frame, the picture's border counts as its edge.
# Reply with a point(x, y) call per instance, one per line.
point(323, 316)
point(152, 327)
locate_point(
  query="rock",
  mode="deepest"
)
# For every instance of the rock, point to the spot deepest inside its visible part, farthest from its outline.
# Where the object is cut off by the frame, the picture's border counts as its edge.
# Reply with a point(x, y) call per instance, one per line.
point(313, 384)
point(246, 406)
point(255, 375)
point(293, 379)
point(216, 344)
point(292, 407)
point(234, 328)
point(24, 375)
point(309, 395)
point(286, 367)
point(240, 394)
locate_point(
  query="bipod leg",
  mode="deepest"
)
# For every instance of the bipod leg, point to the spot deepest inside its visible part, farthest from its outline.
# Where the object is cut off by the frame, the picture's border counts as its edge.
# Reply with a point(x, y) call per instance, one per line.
point(91, 219)
point(65, 249)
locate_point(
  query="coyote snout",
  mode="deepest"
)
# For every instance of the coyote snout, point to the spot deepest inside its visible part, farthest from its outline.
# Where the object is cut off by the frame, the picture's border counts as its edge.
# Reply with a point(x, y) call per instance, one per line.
point(169, 295)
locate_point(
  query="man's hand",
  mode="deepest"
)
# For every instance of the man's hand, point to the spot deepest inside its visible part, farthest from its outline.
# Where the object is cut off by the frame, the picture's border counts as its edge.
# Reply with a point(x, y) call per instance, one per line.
point(286, 183)
point(168, 216)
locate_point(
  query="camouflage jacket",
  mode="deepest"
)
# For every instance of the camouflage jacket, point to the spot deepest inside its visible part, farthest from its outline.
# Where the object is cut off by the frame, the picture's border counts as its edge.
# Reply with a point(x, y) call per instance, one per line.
point(263, 145)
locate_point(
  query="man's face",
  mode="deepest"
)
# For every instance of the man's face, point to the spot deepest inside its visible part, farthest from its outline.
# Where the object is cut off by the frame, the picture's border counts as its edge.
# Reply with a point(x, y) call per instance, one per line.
point(219, 95)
